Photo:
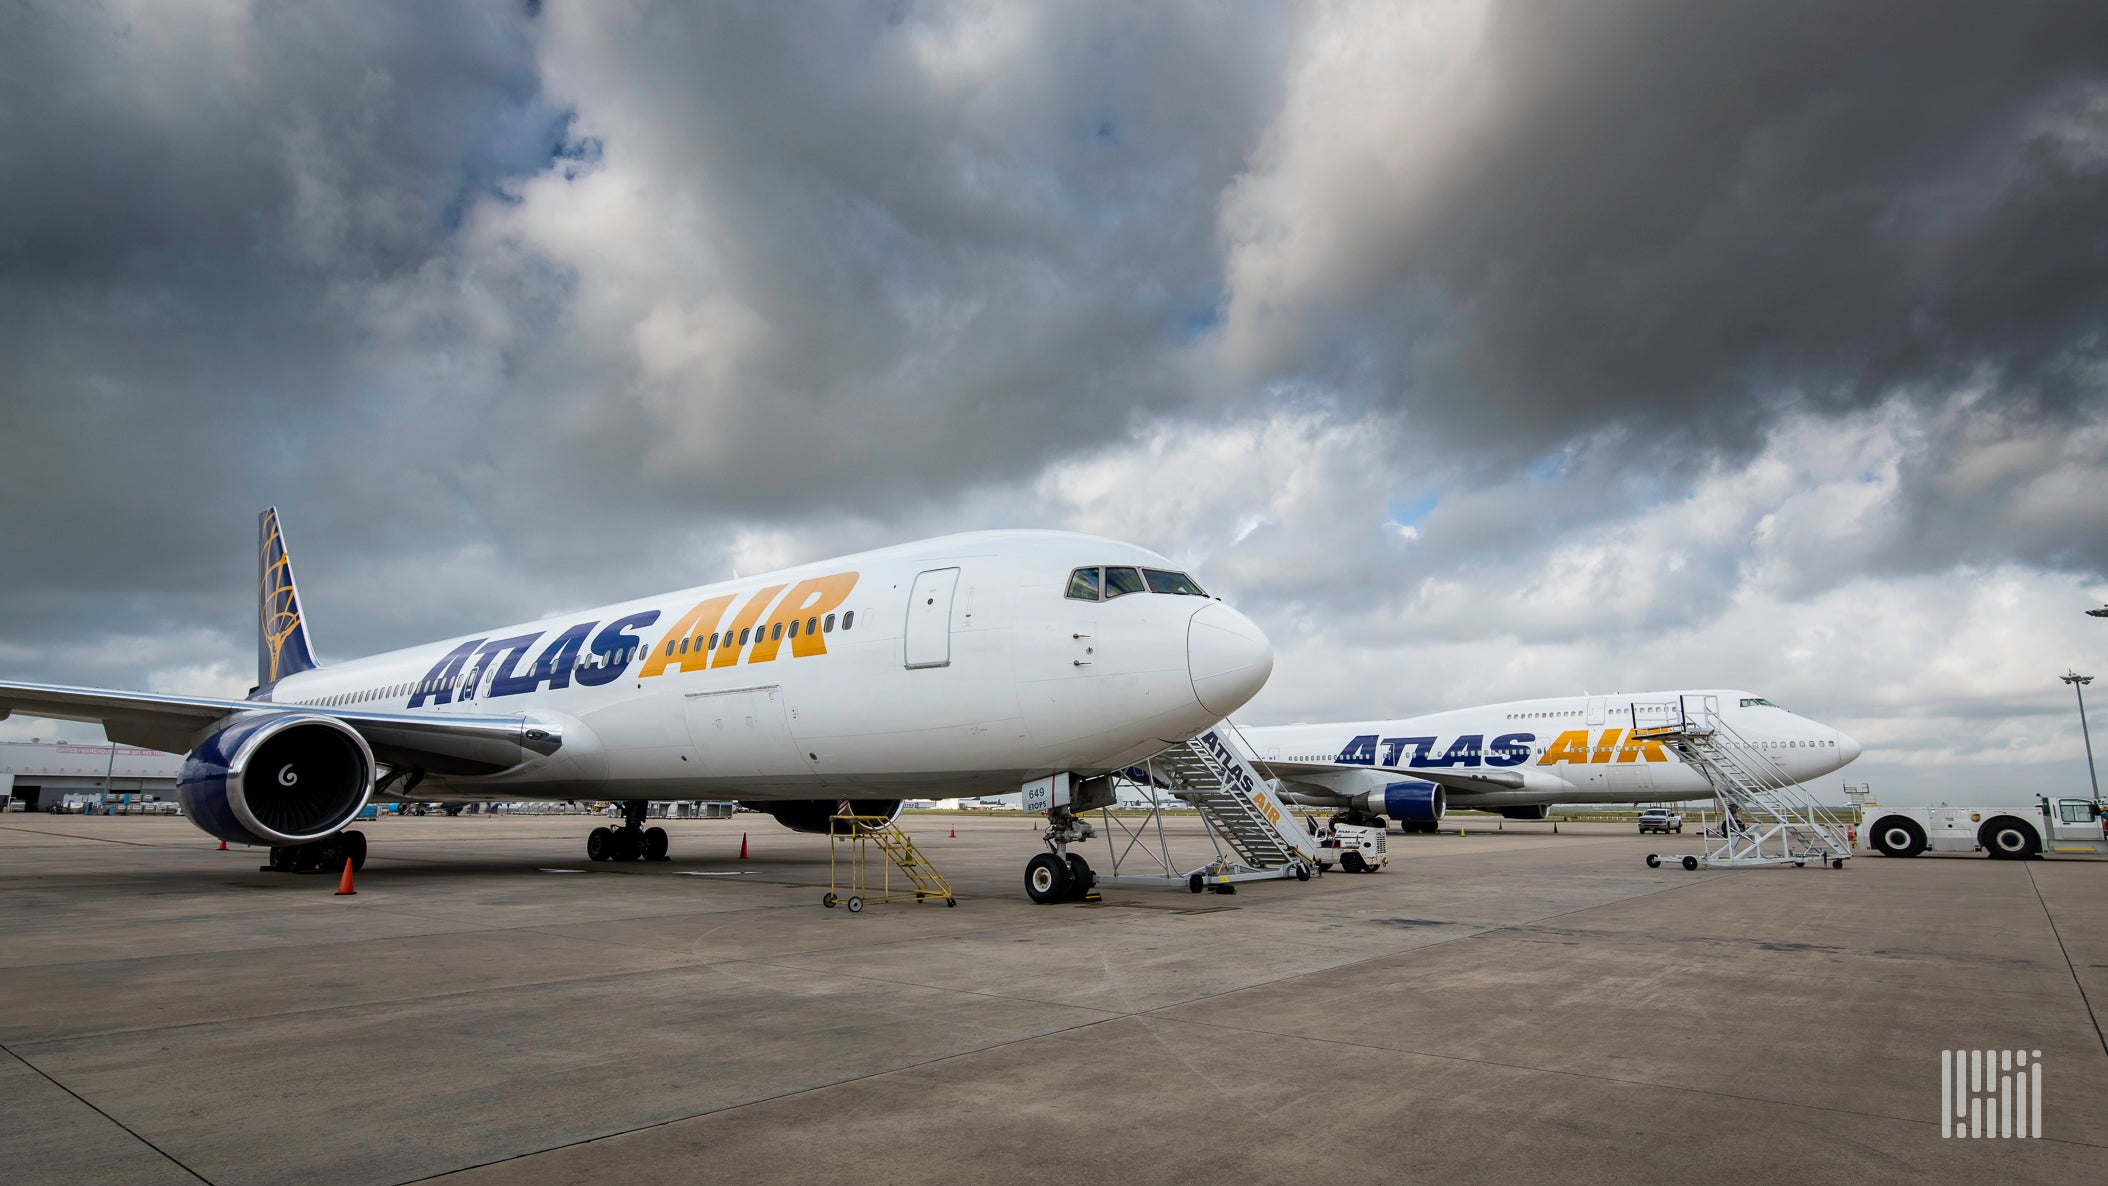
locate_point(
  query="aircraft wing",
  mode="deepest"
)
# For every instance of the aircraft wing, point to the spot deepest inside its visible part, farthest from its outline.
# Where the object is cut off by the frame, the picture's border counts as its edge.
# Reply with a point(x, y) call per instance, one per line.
point(438, 743)
point(1476, 781)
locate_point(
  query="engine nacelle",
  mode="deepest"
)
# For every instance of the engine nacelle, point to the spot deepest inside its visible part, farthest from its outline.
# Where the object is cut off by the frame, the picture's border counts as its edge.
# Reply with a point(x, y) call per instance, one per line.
point(811, 815)
point(277, 779)
point(1528, 811)
point(1414, 802)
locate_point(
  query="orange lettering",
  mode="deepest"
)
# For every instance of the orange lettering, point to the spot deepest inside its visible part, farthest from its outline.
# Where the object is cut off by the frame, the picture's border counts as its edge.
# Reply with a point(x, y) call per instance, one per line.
point(700, 620)
point(728, 650)
point(807, 601)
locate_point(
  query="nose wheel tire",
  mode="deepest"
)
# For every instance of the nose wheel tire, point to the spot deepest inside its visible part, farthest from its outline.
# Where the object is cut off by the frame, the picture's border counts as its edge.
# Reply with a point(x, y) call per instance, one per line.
point(1047, 879)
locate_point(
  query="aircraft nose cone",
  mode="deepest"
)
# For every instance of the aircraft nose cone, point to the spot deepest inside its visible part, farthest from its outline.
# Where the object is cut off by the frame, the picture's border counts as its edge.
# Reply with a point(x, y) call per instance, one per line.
point(1847, 748)
point(1228, 657)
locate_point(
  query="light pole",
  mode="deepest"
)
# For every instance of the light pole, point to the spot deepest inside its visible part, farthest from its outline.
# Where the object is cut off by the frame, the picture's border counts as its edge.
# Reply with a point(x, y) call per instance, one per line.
point(2078, 683)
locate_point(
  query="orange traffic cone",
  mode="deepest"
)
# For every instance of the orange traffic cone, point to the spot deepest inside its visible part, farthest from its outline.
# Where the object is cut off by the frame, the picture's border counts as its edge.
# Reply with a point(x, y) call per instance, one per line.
point(344, 882)
point(955, 832)
point(742, 846)
point(223, 846)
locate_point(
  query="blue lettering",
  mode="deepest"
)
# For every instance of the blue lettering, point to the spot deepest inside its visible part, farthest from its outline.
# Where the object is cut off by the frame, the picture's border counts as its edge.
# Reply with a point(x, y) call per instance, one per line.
point(1462, 752)
point(513, 649)
point(437, 685)
point(1359, 752)
point(1394, 749)
point(551, 667)
point(615, 648)
point(1510, 749)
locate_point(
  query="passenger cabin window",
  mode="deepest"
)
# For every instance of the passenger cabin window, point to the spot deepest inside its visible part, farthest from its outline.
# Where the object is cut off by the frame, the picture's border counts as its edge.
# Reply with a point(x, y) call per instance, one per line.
point(1171, 582)
point(1119, 582)
point(1083, 584)
point(848, 619)
point(827, 624)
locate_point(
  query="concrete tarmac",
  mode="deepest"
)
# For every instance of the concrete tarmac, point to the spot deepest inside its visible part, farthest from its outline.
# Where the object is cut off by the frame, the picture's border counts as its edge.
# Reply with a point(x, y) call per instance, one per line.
point(1506, 1006)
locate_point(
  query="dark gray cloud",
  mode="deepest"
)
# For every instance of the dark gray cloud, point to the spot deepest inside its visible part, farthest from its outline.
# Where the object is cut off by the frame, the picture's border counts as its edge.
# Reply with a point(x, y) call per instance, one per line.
point(1686, 219)
point(1479, 349)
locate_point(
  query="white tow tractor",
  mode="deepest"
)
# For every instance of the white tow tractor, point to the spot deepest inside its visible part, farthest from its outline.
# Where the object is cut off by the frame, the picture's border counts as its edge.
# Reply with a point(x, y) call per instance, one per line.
point(2048, 825)
point(1352, 847)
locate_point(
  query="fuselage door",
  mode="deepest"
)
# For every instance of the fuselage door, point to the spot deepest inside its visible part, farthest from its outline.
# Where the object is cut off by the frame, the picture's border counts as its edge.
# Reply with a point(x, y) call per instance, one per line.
point(1595, 710)
point(927, 641)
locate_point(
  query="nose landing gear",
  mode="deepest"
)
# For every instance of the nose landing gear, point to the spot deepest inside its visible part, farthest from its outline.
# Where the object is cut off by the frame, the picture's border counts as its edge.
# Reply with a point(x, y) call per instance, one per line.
point(630, 842)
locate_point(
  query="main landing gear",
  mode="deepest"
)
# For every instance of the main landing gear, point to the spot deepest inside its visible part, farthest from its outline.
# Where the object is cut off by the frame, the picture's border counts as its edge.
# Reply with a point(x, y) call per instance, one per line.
point(328, 853)
point(630, 842)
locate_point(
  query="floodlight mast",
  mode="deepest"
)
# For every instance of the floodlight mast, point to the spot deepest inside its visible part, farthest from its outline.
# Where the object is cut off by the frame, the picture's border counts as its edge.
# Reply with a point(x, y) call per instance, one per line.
point(2078, 683)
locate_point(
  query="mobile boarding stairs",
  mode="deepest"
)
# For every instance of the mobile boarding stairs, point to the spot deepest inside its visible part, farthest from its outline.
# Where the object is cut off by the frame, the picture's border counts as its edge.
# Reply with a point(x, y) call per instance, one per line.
point(1254, 835)
point(1766, 818)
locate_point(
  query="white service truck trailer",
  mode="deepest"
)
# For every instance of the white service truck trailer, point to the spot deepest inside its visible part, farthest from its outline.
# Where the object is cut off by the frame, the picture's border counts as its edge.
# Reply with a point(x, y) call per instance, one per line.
point(2020, 828)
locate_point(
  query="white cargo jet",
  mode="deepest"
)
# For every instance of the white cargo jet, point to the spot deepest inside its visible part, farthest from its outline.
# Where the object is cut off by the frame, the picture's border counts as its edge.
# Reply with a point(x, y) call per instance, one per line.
point(968, 664)
point(1520, 758)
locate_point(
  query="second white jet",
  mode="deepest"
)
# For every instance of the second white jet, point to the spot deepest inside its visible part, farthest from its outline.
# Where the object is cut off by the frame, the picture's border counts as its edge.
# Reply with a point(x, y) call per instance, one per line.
point(1520, 758)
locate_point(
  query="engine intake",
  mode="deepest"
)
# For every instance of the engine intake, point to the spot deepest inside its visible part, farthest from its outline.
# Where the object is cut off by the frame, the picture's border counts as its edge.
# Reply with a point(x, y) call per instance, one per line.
point(1407, 802)
point(277, 779)
point(811, 815)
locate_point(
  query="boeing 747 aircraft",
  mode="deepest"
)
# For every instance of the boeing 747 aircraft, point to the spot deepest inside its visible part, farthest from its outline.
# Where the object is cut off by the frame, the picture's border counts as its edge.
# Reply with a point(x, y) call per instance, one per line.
point(968, 664)
point(1520, 758)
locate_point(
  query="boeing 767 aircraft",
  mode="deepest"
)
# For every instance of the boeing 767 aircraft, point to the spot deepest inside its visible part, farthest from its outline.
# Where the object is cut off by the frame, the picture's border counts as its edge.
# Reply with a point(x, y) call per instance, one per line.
point(968, 664)
point(1519, 758)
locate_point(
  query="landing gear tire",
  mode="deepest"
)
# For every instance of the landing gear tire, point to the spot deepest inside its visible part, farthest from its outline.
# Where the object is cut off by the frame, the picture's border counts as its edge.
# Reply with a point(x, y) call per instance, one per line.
point(600, 844)
point(1654, 860)
point(353, 845)
point(655, 844)
point(1195, 884)
point(1047, 879)
point(629, 844)
point(1081, 879)
point(1691, 864)
point(1352, 863)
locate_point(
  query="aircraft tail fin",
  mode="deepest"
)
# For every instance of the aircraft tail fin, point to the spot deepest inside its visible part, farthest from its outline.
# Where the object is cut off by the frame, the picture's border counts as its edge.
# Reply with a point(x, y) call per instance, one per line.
point(281, 640)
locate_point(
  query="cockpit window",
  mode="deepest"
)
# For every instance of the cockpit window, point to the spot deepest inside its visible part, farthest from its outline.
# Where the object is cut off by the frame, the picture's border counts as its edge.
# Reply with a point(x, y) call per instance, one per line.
point(1754, 701)
point(1171, 582)
point(1083, 584)
point(1119, 582)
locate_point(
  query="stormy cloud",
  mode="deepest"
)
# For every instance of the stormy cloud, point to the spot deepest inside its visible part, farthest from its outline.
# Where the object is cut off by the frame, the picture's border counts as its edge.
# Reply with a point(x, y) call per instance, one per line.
point(1482, 349)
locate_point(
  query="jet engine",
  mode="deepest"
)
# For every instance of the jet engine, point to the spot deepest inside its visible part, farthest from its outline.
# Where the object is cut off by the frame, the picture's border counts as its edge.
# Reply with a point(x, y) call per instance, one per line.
point(811, 815)
point(276, 779)
point(1414, 802)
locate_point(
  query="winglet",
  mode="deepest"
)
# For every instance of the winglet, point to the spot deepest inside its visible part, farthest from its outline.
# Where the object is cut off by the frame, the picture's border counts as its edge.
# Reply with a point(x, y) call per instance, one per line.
point(281, 640)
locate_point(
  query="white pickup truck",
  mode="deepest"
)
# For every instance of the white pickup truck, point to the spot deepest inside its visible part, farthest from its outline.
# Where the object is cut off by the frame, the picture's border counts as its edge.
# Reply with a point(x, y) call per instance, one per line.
point(1660, 819)
point(2020, 829)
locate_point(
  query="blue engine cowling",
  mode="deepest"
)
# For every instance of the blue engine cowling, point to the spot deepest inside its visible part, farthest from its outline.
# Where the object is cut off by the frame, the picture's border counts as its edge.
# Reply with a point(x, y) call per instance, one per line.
point(811, 815)
point(277, 779)
point(1414, 802)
